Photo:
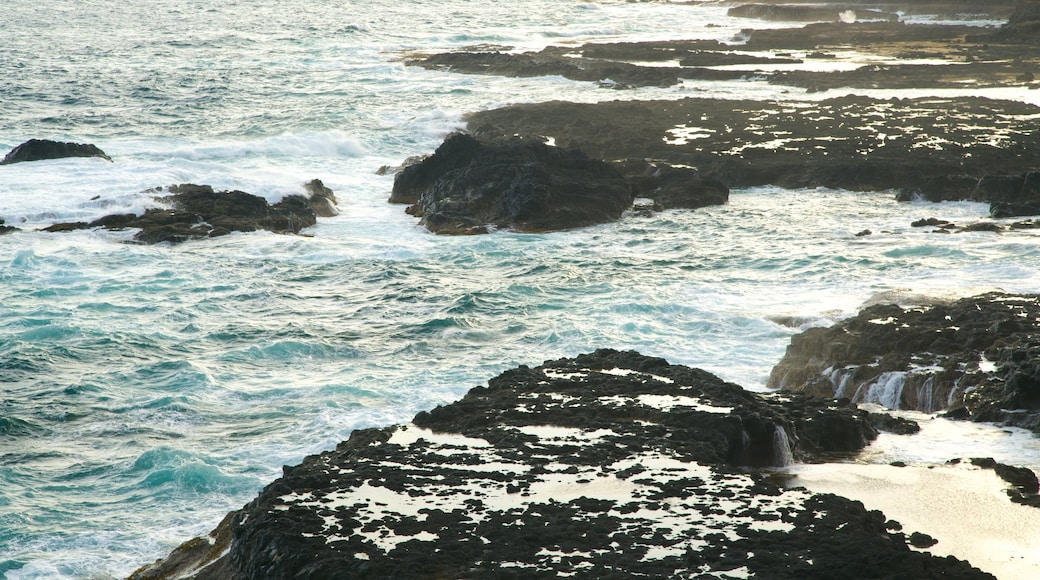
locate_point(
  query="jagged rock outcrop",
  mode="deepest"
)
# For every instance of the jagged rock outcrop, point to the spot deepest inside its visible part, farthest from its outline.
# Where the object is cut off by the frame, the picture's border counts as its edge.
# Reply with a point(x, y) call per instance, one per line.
point(607, 465)
point(469, 186)
point(198, 211)
point(978, 357)
point(42, 149)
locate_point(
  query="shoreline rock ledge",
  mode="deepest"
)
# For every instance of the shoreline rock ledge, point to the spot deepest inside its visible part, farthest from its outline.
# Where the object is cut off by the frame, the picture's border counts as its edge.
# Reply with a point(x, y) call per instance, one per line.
point(607, 465)
point(975, 358)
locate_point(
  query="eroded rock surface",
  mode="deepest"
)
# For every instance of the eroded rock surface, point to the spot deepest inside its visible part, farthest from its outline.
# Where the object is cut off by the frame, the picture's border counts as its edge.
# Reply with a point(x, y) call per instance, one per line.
point(977, 357)
point(607, 465)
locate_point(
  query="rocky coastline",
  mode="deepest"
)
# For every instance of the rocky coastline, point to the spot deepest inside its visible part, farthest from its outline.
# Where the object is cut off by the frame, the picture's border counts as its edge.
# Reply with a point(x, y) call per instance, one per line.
point(606, 465)
point(976, 357)
point(934, 148)
point(614, 464)
point(187, 211)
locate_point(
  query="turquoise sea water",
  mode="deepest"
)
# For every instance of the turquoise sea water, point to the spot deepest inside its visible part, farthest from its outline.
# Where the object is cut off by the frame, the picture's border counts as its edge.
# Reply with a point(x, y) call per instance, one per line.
point(147, 390)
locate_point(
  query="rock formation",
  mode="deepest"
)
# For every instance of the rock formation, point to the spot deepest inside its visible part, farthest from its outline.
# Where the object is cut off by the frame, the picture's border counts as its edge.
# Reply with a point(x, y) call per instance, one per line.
point(976, 357)
point(198, 211)
point(469, 186)
point(852, 142)
point(41, 149)
point(932, 148)
point(607, 465)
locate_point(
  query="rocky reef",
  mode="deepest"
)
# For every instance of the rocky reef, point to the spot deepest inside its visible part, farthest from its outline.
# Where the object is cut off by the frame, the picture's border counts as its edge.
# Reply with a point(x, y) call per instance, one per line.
point(198, 211)
point(936, 148)
point(855, 143)
point(977, 358)
point(606, 465)
point(473, 186)
point(43, 149)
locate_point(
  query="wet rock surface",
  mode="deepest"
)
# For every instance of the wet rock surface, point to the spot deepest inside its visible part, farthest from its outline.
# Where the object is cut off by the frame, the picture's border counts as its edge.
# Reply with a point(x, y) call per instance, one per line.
point(812, 13)
point(472, 186)
point(856, 143)
point(43, 149)
point(607, 465)
point(931, 148)
point(198, 211)
point(977, 358)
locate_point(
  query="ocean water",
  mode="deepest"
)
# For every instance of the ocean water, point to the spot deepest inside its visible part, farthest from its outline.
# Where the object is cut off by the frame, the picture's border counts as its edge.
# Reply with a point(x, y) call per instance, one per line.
point(147, 390)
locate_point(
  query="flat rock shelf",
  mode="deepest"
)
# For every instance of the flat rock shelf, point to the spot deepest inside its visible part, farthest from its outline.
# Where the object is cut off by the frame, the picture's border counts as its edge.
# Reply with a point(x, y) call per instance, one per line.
point(606, 465)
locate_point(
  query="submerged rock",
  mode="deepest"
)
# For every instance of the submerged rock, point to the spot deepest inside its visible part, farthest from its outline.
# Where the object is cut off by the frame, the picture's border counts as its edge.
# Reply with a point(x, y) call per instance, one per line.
point(607, 465)
point(976, 357)
point(42, 149)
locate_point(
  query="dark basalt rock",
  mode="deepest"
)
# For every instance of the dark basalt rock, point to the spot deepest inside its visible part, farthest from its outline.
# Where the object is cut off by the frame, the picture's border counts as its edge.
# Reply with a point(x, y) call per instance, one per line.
point(981, 354)
point(1009, 195)
point(830, 143)
point(935, 149)
point(198, 211)
point(1001, 59)
point(468, 186)
point(6, 229)
point(42, 149)
point(614, 74)
point(672, 187)
point(807, 13)
point(607, 465)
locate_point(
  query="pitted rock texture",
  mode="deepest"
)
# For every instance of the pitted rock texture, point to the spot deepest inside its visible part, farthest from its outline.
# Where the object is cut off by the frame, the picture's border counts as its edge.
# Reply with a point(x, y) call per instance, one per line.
point(978, 357)
point(856, 143)
point(607, 465)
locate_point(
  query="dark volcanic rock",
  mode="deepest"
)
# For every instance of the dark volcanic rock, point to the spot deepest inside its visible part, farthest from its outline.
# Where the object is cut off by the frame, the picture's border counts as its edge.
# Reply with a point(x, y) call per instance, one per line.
point(6, 229)
point(41, 149)
point(468, 186)
point(607, 465)
point(808, 13)
point(1010, 195)
point(981, 354)
point(198, 211)
point(615, 74)
point(936, 149)
point(955, 56)
point(672, 187)
point(852, 142)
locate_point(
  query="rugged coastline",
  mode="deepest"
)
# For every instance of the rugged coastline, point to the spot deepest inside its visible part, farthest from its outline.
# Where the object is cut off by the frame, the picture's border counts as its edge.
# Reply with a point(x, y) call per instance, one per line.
point(608, 455)
point(936, 148)
point(607, 465)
